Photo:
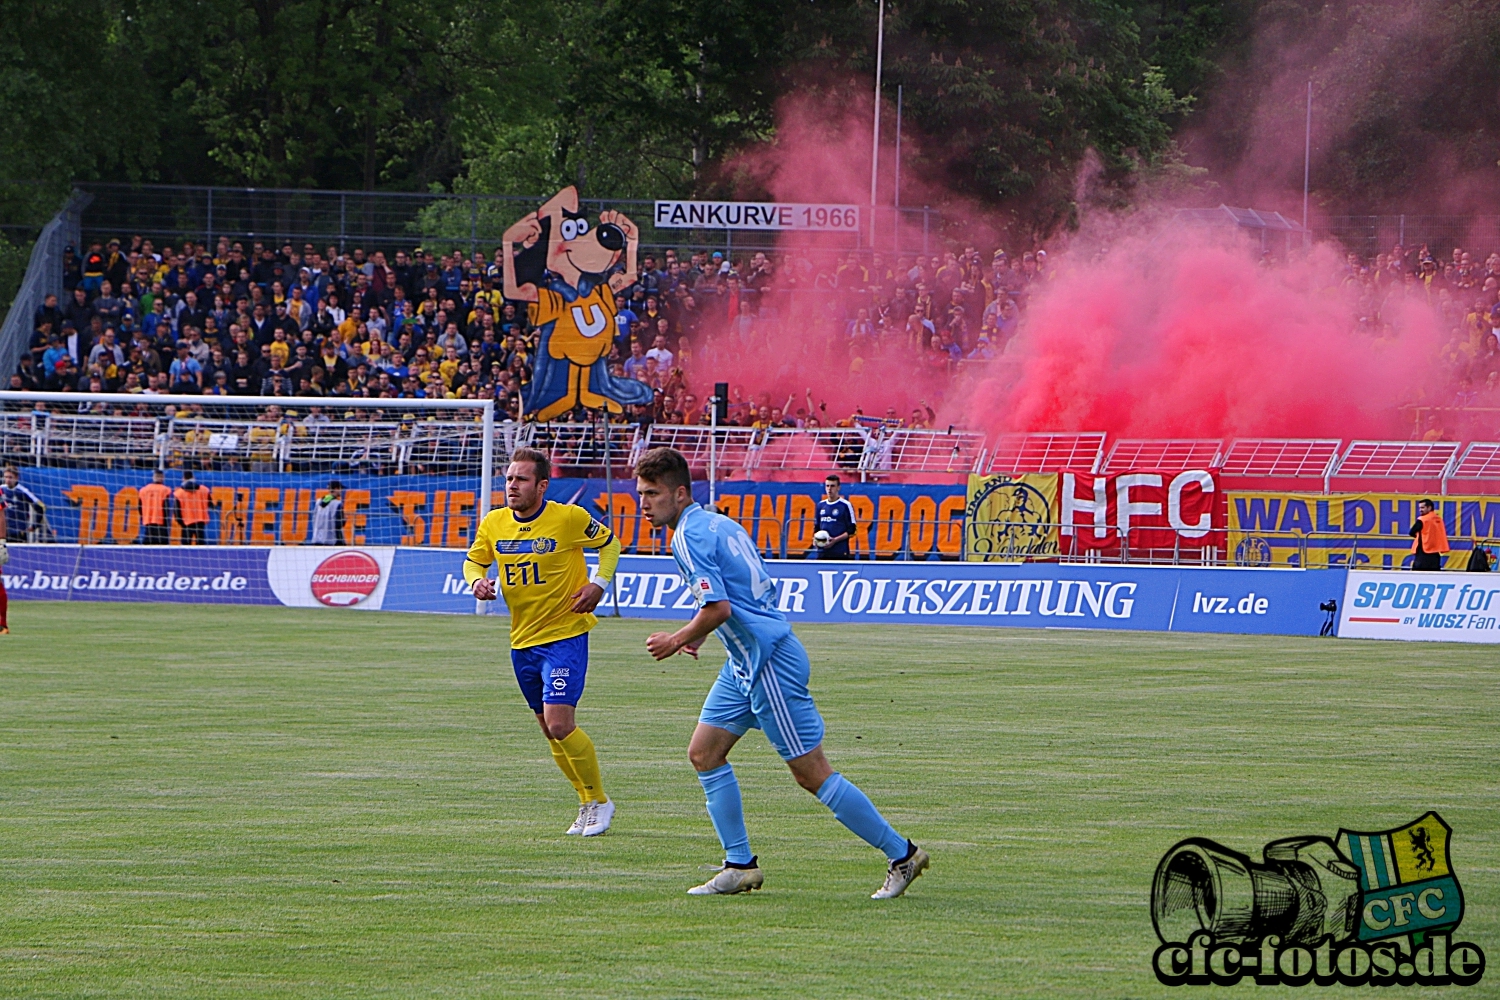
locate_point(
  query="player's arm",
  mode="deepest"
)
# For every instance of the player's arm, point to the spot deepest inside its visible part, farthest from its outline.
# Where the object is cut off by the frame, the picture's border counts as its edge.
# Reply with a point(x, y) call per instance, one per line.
point(587, 597)
point(709, 617)
point(477, 565)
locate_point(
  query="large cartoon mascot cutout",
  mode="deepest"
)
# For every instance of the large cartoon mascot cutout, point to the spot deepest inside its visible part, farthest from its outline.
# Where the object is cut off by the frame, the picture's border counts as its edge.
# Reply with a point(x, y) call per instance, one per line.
point(569, 271)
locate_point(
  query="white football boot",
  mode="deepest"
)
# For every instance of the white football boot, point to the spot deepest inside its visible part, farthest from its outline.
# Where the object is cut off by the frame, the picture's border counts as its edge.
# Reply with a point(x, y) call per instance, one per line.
point(902, 874)
point(730, 881)
point(600, 814)
point(581, 823)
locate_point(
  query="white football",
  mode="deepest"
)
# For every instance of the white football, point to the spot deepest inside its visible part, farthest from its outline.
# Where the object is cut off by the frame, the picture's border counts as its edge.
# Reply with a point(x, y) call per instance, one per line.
point(820, 538)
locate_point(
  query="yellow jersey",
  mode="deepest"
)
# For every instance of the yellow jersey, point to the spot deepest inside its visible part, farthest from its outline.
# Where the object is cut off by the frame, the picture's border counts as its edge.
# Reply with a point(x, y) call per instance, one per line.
point(585, 327)
point(541, 567)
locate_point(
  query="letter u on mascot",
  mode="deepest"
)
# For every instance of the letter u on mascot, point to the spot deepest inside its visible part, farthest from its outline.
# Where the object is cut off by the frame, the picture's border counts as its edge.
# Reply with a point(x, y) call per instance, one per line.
point(570, 272)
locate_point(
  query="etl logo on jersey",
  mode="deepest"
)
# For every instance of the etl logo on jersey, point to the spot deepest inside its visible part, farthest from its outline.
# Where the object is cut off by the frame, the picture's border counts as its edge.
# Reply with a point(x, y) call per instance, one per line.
point(344, 579)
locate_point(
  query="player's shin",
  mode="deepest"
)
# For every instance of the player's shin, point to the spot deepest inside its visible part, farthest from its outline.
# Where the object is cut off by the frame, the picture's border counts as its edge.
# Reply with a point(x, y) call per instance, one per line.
point(854, 809)
point(722, 789)
point(560, 757)
point(580, 752)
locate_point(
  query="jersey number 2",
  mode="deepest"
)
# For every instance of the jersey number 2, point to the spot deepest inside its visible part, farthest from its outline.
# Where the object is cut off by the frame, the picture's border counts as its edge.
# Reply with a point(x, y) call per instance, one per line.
point(759, 581)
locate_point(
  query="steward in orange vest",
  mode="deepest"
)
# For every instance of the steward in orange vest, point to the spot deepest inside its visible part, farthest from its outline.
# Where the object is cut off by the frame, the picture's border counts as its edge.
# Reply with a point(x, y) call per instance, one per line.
point(1431, 537)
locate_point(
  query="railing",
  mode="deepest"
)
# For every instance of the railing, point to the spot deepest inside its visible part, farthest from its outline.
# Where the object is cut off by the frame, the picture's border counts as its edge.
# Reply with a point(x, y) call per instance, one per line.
point(1050, 541)
point(1014, 454)
point(44, 276)
point(574, 447)
point(826, 449)
point(915, 450)
point(1329, 549)
point(393, 220)
point(1163, 453)
point(1369, 235)
point(284, 444)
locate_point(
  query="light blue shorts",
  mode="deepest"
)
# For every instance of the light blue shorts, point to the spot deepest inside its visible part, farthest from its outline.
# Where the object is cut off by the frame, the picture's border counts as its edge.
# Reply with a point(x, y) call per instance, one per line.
point(778, 702)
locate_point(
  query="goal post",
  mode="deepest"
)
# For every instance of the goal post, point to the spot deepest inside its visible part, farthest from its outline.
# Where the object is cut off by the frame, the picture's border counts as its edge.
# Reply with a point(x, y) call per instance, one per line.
point(252, 499)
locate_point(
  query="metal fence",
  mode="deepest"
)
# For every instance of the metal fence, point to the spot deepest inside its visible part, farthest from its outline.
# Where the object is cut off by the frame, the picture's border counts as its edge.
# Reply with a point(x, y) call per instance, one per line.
point(44, 276)
point(1368, 235)
point(399, 221)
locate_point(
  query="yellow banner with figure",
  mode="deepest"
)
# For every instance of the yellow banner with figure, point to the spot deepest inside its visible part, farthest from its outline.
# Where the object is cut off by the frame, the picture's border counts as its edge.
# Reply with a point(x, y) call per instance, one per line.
point(1365, 530)
point(1011, 518)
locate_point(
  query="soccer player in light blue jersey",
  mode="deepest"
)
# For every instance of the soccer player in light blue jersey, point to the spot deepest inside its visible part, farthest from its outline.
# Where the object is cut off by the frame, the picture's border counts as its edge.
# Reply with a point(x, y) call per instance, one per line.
point(763, 684)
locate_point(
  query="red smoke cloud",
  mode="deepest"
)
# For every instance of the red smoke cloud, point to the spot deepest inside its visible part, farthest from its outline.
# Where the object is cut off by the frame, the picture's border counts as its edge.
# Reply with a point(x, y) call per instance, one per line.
point(1176, 333)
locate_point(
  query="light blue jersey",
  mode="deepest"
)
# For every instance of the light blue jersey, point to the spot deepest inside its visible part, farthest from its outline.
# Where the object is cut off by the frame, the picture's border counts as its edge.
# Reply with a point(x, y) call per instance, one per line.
point(719, 562)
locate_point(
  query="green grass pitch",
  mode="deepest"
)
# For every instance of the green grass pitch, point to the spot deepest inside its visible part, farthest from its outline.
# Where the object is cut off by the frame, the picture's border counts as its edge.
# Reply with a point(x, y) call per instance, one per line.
point(255, 802)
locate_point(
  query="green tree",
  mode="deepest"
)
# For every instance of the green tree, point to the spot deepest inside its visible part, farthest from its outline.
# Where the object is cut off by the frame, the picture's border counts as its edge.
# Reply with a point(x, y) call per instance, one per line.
point(63, 70)
point(630, 98)
point(1010, 95)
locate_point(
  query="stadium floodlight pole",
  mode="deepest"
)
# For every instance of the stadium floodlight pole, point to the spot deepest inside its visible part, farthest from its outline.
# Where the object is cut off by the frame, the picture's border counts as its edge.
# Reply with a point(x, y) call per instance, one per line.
point(1306, 164)
point(895, 232)
point(713, 434)
point(487, 459)
point(609, 499)
point(875, 131)
point(486, 477)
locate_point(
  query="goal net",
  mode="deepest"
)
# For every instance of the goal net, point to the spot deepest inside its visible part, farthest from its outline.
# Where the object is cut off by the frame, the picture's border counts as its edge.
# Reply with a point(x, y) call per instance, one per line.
point(303, 501)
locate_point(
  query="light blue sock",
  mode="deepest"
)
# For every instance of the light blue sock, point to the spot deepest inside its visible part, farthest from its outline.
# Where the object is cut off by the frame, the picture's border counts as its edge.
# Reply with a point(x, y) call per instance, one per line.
point(854, 809)
point(722, 789)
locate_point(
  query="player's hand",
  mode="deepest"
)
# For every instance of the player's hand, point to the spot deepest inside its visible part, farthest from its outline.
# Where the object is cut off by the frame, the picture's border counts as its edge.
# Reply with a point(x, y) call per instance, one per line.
point(691, 648)
point(484, 589)
point(662, 645)
point(587, 598)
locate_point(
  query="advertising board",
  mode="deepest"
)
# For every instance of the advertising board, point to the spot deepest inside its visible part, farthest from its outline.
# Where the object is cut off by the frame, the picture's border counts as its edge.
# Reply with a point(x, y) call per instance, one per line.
point(1430, 607)
point(1029, 595)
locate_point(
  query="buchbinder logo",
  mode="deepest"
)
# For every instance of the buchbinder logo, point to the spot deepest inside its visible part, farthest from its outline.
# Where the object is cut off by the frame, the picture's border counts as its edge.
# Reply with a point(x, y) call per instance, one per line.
point(344, 579)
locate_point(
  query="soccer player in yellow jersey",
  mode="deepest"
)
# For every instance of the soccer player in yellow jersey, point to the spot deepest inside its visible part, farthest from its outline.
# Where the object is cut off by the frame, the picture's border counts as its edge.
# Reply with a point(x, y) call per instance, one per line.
point(538, 545)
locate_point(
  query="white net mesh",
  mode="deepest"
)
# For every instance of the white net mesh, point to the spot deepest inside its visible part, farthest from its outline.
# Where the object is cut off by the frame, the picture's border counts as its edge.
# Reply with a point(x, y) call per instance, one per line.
point(108, 492)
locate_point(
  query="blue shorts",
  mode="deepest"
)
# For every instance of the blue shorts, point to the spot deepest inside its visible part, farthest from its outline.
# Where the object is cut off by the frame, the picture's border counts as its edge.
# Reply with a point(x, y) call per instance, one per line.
point(778, 702)
point(553, 672)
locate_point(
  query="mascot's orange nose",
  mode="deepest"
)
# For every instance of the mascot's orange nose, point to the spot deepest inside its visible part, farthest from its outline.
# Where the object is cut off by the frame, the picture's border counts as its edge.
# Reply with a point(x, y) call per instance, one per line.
point(611, 237)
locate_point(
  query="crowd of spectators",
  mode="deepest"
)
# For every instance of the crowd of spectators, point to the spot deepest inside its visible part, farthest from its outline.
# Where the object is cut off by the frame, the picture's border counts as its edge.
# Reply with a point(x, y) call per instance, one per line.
point(263, 320)
point(257, 319)
point(1464, 293)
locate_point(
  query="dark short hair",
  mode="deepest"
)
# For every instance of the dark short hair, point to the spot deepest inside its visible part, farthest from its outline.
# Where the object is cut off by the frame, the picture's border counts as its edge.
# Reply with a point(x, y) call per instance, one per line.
point(538, 459)
point(831, 478)
point(664, 467)
point(1428, 502)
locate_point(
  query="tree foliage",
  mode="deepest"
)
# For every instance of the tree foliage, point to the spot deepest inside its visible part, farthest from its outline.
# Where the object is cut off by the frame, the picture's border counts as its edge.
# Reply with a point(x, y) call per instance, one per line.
point(652, 97)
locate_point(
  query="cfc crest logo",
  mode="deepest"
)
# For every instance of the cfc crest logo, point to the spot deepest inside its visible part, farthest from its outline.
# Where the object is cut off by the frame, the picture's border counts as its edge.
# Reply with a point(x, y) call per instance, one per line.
point(1376, 908)
point(1253, 551)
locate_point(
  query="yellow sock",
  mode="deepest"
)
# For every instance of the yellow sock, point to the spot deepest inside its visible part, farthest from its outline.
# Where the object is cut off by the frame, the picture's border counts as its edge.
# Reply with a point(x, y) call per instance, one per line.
point(566, 767)
point(580, 751)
